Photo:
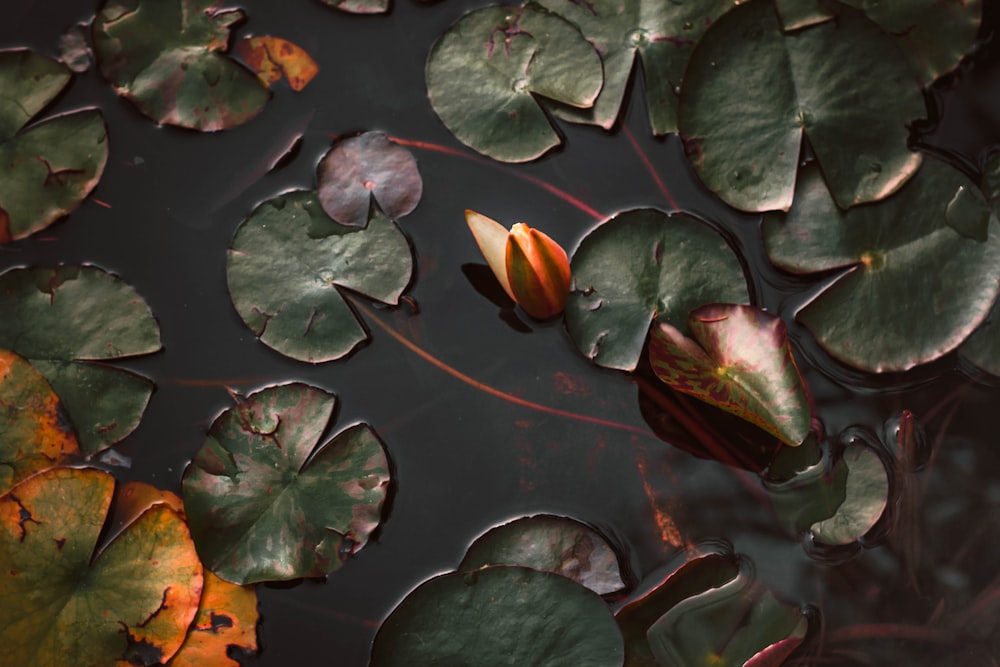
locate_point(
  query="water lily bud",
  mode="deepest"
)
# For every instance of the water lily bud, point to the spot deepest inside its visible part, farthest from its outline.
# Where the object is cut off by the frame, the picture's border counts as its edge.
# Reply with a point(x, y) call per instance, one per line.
point(538, 272)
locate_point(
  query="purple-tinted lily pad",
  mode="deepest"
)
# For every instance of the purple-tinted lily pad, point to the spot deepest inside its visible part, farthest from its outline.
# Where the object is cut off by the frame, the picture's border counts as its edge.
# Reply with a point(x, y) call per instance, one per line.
point(361, 168)
point(265, 502)
point(359, 6)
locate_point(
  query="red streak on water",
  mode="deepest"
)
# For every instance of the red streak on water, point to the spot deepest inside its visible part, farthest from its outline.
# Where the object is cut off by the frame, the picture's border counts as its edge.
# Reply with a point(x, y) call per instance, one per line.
point(669, 534)
point(100, 203)
point(649, 166)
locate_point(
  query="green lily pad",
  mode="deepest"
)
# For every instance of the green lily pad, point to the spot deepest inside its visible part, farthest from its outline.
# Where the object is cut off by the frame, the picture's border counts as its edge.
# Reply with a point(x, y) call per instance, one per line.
point(797, 14)
point(167, 57)
point(265, 503)
point(739, 360)
point(288, 264)
point(499, 616)
point(366, 167)
point(912, 288)
point(982, 348)
point(805, 488)
point(68, 322)
point(751, 91)
point(865, 496)
point(359, 6)
point(661, 34)
point(640, 266)
point(551, 544)
point(130, 602)
point(51, 166)
point(483, 75)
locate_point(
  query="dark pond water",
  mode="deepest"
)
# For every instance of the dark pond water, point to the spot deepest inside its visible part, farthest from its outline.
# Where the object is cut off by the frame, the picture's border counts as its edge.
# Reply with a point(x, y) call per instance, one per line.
point(465, 460)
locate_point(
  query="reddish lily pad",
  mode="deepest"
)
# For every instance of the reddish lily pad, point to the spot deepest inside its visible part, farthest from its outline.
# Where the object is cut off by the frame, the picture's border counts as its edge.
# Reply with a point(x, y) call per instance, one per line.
point(51, 166)
point(359, 6)
point(274, 59)
point(739, 360)
point(483, 75)
point(265, 503)
point(552, 544)
point(167, 57)
point(142, 589)
point(369, 166)
point(227, 617)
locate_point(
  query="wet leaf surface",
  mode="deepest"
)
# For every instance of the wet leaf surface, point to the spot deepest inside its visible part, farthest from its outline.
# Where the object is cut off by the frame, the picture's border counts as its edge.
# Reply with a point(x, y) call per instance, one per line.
point(865, 496)
point(739, 359)
point(168, 58)
point(68, 322)
point(130, 603)
point(483, 75)
point(259, 511)
point(366, 167)
point(641, 266)
point(804, 486)
point(551, 544)
point(359, 6)
point(274, 59)
point(752, 92)
point(288, 264)
point(49, 167)
point(912, 288)
point(227, 617)
point(499, 616)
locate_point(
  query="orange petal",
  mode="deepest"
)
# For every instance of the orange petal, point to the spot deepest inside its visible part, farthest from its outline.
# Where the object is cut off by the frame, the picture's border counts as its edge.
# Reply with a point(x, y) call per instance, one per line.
point(491, 237)
point(538, 271)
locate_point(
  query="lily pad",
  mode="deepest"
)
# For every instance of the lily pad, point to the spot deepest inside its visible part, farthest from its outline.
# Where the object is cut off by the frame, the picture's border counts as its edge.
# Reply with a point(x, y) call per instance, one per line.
point(34, 431)
point(359, 6)
point(751, 91)
point(68, 322)
point(139, 592)
point(288, 264)
point(369, 166)
point(499, 616)
point(227, 617)
point(274, 59)
point(551, 544)
point(167, 57)
point(265, 503)
point(739, 360)
point(660, 34)
point(805, 487)
point(483, 75)
point(865, 497)
point(982, 348)
point(911, 287)
point(642, 266)
point(51, 166)
point(796, 14)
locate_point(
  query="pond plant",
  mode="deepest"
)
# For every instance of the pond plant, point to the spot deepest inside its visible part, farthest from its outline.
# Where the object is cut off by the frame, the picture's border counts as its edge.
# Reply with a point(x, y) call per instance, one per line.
point(739, 415)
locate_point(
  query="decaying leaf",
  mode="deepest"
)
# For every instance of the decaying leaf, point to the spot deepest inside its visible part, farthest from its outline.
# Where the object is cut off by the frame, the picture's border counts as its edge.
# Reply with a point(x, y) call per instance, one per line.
point(274, 59)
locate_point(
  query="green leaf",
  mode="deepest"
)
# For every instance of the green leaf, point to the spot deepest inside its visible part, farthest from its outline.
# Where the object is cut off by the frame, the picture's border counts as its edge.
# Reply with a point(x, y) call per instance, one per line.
point(265, 503)
point(805, 487)
point(483, 75)
point(499, 616)
point(911, 288)
point(796, 14)
point(661, 34)
point(167, 58)
point(49, 167)
point(552, 544)
point(865, 497)
point(982, 348)
point(68, 322)
point(359, 6)
point(288, 264)
point(751, 91)
point(366, 167)
point(740, 360)
point(128, 603)
point(640, 266)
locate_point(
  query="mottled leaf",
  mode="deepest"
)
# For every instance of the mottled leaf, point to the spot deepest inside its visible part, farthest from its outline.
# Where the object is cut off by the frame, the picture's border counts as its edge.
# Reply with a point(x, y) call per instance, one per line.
point(274, 59)
point(227, 617)
point(265, 503)
point(865, 496)
point(359, 6)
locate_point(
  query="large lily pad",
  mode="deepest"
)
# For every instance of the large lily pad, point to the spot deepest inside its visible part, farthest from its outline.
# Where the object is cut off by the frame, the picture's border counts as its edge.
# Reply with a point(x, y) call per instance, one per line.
point(167, 57)
point(752, 90)
point(739, 360)
point(661, 34)
point(129, 603)
point(48, 167)
point(913, 286)
point(68, 322)
point(499, 616)
point(483, 75)
point(640, 266)
point(265, 503)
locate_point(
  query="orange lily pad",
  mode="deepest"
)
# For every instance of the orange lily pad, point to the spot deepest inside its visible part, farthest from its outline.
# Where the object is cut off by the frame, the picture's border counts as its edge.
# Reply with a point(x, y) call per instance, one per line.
point(226, 617)
point(273, 58)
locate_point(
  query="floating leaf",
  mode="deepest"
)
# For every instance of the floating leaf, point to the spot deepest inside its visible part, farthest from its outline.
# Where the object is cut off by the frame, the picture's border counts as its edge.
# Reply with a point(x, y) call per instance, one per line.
point(359, 6)
point(751, 91)
point(74, 51)
point(739, 360)
point(288, 264)
point(68, 322)
point(361, 168)
point(499, 616)
point(483, 75)
point(167, 58)
point(640, 266)
point(48, 167)
point(865, 497)
point(227, 617)
point(264, 503)
point(34, 432)
point(552, 544)
point(912, 288)
point(805, 487)
point(796, 14)
point(129, 603)
point(982, 348)
point(273, 58)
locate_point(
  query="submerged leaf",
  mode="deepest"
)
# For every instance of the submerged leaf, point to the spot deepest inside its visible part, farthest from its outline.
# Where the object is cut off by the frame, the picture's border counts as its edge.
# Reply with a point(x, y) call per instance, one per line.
point(273, 59)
